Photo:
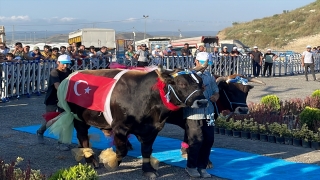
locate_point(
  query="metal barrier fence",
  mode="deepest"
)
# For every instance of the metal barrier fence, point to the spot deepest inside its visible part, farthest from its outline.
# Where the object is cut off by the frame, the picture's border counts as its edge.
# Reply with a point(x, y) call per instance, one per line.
point(31, 77)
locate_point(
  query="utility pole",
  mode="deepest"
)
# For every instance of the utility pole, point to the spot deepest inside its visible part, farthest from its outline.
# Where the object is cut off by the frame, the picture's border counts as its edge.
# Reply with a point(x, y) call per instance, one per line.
point(134, 38)
point(12, 35)
point(180, 35)
point(45, 38)
point(145, 24)
point(34, 36)
point(25, 37)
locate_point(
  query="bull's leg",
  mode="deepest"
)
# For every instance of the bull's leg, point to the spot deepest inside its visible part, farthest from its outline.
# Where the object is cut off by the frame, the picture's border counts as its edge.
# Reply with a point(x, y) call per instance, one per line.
point(149, 170)
point(82, 135)
point(120, 141)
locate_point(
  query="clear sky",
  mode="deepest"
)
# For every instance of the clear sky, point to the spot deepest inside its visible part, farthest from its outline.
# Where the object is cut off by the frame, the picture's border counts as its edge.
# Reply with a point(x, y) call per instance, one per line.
point(123, 15)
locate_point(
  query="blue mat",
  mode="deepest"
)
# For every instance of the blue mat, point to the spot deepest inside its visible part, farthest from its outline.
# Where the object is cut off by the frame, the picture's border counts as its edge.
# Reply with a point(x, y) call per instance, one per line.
point(230, 164)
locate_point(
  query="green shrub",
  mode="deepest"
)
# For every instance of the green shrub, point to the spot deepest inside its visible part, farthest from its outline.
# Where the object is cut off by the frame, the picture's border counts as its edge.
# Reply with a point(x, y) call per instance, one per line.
point(310, 116)
point(221, 121)
point(262, 129)
point(272, 101)
point(237, 126)
point(316, 93)
point(230, 124)
point(11, 172)
point(254, 128)
point(79, 172)
point(306, 133)
point(247, 124)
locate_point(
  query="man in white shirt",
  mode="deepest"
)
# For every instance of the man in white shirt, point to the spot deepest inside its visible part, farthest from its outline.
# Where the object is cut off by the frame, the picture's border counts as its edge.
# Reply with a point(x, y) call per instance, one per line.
point(157, 52)
point(307, 60)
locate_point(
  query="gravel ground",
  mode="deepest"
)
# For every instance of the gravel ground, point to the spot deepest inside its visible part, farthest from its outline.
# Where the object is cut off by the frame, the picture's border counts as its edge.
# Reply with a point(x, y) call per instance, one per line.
point(28, 111)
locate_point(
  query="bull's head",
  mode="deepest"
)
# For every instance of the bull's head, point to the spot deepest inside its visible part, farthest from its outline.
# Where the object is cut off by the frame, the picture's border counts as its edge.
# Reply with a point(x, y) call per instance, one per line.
point(183, 88)
point(233, 96)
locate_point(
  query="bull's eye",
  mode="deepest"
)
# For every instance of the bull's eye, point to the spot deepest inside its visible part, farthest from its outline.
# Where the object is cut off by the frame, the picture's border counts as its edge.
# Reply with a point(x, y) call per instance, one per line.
point(182, 85)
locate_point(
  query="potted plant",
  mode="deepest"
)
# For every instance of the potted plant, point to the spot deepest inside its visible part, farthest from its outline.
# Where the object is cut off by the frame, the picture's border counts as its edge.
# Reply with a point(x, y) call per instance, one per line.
point(220, 124)
point(254, 129)
point(287, 134)
point(263, 133)
point(306, 136)
point(229, 127)
point(237, 127)
point(315, 143)
point(246, 126)
point(271, 132)
point(279, 131)
point(297, 136)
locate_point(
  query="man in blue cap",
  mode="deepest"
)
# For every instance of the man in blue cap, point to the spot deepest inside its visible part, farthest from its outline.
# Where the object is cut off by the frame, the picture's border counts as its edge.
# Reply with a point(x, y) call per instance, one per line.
point(200, 123)
point(51, 100)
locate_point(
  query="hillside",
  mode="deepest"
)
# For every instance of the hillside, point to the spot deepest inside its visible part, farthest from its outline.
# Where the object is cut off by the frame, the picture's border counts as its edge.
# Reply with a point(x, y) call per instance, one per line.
point(290, 30)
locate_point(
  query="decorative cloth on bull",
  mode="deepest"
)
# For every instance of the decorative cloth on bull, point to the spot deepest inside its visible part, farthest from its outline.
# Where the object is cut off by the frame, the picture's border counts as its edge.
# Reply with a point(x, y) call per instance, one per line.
point(238, 79)
point(88, 91)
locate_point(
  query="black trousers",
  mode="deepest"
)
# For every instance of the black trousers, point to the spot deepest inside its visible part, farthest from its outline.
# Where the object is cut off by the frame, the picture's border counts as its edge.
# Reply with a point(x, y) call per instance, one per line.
point(200, 140)
point(267, 66)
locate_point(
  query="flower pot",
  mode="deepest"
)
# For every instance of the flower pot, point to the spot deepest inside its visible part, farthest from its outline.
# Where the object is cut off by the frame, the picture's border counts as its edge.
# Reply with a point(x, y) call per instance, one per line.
point(245, 134)
point(263, 138)
point(297, 142)
point(280, 140)
point(288, 140)
point(255, 136)
point(216, 130)
point(306, 144)
point(272, 139)
point(229, 132)
point(237, 134)
point(315, 145)
point(222, 131)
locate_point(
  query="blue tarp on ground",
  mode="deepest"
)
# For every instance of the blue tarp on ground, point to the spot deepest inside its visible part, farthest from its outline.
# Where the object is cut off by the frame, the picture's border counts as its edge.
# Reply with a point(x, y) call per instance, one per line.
point(230, 164)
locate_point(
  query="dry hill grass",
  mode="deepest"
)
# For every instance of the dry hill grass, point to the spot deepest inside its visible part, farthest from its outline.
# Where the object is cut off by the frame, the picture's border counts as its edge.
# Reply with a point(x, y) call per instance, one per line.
point(289, 30)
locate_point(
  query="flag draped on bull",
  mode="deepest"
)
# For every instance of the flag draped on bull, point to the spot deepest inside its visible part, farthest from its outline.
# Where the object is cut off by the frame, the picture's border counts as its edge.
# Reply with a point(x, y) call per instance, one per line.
point(85, 90)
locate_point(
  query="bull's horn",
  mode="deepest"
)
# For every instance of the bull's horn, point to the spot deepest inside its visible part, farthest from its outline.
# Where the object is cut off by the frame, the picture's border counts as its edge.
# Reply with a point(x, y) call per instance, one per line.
point(255, 80)
point(160, 68)
point(202, 67)
point(220, 79)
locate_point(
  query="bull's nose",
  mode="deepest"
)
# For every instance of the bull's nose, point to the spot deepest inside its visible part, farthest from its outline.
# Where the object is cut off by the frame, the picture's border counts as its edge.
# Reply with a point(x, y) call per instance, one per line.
point(242, 110)
point(202, 103)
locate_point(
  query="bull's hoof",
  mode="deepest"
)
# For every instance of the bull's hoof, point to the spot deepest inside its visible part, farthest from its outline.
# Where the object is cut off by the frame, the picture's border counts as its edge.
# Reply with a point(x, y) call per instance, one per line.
point(210, 165)
point(151, 175)
point(95, 164)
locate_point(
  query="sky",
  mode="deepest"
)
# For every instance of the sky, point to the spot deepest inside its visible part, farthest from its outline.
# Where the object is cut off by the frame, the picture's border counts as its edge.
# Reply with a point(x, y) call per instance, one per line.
point(127, 15)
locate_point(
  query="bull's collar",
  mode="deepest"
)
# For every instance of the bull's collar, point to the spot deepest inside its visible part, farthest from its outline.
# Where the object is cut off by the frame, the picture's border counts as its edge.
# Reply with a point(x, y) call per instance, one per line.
point(160, 85)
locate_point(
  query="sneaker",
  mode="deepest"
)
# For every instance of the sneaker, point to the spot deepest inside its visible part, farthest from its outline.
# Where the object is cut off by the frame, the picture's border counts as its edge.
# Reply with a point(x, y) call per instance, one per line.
point(204, 173)
point(63, 147)
point(40, 138)
point(193, 172)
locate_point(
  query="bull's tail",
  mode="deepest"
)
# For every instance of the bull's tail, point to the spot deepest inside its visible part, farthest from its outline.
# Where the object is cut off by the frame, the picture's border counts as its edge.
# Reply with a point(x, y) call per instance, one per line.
point(64, 126)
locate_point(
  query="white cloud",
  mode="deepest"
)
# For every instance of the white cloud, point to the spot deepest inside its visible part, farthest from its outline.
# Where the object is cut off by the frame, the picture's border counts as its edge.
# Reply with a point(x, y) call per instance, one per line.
point(67, 19)
point(130, 19)
point(57, 19)
point(14, 18)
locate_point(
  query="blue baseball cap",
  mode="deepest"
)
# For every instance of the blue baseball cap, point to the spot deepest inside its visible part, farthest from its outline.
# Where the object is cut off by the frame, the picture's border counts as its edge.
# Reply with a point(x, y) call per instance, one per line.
point(64, 59)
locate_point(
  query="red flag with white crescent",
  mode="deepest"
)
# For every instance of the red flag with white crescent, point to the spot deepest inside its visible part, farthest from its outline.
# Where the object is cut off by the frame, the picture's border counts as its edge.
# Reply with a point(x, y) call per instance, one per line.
point(89, 91)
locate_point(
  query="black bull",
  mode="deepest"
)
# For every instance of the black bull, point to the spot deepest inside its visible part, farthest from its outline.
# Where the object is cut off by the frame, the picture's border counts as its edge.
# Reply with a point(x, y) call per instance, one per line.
point(138, 109)
point(233, 98)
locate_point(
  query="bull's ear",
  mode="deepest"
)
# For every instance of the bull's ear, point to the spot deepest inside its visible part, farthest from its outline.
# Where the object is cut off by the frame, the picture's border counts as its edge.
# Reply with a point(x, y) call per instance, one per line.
point(165, 75)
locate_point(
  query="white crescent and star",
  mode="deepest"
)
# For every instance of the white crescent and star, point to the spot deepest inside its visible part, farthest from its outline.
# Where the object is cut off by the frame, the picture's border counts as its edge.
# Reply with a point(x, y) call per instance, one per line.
point(75, 89)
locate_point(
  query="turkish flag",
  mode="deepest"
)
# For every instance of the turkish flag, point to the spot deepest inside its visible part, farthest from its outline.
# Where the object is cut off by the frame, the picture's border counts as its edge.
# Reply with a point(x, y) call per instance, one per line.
point(89, 91)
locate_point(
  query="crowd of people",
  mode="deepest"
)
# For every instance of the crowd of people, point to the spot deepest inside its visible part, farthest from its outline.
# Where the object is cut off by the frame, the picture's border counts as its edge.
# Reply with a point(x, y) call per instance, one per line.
point(21, 52)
